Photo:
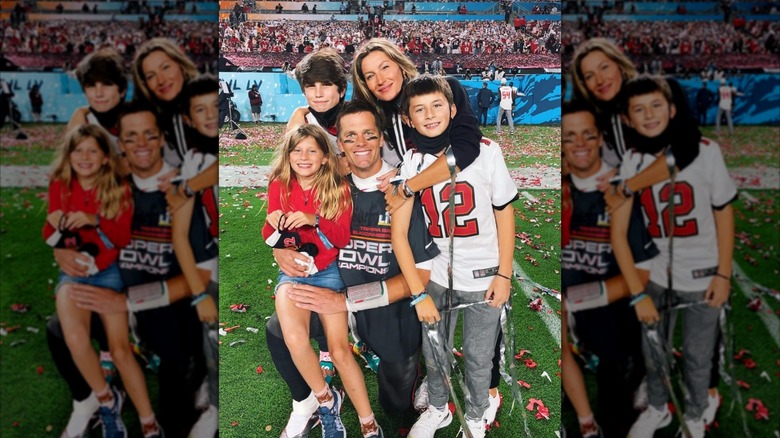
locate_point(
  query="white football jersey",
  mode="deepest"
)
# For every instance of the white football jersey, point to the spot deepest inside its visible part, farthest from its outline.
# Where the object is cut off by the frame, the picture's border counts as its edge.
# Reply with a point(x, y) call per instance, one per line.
point(333, 138)
point(483, 184)
point(505, 93)
point(699, 188)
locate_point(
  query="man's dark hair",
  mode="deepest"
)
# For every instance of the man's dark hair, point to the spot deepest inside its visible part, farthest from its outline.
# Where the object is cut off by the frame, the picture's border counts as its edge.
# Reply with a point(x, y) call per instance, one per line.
point(577, 106)
point(359, 106)
point(422, 85)
point(134, 107)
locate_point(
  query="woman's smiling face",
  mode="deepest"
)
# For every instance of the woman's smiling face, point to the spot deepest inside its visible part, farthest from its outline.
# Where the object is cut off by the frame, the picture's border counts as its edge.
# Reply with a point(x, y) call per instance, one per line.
point(603, 77)
point(383, 76)
point(163, 76)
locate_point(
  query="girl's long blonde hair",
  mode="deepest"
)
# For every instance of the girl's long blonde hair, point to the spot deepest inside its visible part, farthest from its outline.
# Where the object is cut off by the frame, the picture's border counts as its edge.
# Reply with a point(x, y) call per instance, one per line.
point(360, 89)
point(331, 188)
point(110, 188)
point(167, 46)
point(611, 51)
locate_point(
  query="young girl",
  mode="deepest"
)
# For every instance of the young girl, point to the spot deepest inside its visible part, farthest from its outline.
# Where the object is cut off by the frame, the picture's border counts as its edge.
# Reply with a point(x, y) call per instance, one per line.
point(88, 200)
point(310, 202)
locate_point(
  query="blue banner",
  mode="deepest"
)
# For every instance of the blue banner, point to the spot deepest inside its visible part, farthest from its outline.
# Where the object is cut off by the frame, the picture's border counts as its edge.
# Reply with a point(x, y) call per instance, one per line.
point(61, 93)
point(282, 95)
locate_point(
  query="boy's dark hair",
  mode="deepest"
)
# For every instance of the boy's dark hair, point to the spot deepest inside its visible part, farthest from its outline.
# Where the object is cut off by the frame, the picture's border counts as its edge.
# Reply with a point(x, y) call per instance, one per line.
point(106, 66)
point(202, 84)
point(422, 85)
point(324, 65)
point(645, 84)
point(577, 106)
point(134, 107)
point(359, 106)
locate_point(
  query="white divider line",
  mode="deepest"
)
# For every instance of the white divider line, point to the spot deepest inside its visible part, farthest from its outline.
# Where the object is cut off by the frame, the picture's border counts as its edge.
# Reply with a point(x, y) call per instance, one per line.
point(769, 319)
point(551, 320)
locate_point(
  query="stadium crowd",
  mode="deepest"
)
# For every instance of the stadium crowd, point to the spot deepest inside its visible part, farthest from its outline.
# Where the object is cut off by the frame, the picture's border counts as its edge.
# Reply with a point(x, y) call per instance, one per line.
point(538, 41)
point(53, 43)
point(691, 45)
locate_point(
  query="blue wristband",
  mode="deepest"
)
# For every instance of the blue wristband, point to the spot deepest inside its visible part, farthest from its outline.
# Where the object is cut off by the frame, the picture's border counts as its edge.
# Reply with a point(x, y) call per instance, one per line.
point(417, 298)
point(197, 299)
point(637, 298)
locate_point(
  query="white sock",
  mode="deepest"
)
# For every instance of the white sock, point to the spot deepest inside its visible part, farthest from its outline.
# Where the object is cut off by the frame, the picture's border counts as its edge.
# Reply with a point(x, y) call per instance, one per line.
point(106, 392)
point(82, 412)
point(328, 404)
point(586, 420)
point(307, 406)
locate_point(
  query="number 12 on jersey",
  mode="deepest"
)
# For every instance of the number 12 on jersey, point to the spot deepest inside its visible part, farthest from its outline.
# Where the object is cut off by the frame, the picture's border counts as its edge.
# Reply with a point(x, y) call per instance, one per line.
point(437, 208)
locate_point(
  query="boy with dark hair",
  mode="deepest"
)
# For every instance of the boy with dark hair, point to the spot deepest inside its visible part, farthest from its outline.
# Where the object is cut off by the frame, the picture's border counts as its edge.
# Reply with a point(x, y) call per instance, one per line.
point(482, 264)
point(703, 232)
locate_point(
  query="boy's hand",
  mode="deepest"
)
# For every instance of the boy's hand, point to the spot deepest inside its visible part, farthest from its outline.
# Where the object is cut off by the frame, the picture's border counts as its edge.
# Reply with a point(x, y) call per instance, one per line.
point(299, 219)
point(207, 310)
point(603, 180)
point(646, 311)
point(79, 219)
point(718, 292)
point(427, 311)
point(273, 218)
point(384, 180)
point(54, 218)
point(164, 181)
point(498, 292)
point(394, 201)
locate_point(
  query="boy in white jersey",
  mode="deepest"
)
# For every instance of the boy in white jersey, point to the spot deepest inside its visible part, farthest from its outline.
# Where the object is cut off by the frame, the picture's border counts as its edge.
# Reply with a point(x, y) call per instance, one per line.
point(703, 232)
point(483, 245)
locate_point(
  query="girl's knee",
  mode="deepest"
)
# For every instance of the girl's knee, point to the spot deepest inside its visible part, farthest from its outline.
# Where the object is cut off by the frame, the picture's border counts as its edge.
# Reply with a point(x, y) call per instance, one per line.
point(296, 339)
point(121, 354)
point(340, 353)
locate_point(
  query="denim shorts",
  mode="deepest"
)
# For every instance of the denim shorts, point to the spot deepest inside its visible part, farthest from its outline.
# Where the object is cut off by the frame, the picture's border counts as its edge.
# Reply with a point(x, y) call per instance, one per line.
point(327, 278)
point(108, 278)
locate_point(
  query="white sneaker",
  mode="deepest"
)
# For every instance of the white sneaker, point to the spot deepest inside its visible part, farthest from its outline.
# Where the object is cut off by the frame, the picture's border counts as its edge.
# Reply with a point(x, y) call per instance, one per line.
point(711, 412)
point(695, 428)
point(476, 427)
point(421, 396)
point(83, 417)
point(492, 409)
point(429, 422)
point(303, 418)
point(207, 424)
point(649, 421)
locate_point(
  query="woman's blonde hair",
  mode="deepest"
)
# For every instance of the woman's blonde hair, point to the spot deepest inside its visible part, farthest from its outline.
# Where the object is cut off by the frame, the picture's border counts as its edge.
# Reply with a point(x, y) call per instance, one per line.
point(611, 51)
point(331, 188)
point(109, 186)
point(167, 46)
point(360, 89)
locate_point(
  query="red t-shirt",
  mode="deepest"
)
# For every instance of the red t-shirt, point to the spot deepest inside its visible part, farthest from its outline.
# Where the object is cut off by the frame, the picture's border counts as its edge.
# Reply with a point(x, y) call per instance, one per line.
point(337, 231)
point(117, 230)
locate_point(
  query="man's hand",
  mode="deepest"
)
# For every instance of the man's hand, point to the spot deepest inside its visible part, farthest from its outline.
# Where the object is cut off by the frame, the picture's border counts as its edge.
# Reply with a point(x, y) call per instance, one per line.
point(207, 310)
point(498, 293)
point(285, 258)
point(718, 292)
point(603, 180)
point(96, 299)
point(613, 198)
point(68, 259)
point(317, 299)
